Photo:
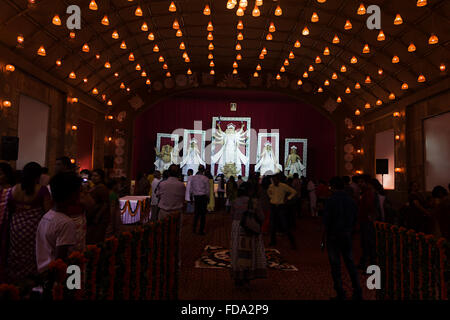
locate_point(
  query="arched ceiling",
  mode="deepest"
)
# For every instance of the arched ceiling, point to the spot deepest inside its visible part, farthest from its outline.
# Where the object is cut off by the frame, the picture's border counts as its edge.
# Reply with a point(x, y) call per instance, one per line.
point(34, 23)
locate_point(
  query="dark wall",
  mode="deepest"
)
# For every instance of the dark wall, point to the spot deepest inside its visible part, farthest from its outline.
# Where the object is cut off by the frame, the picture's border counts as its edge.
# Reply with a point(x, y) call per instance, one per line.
point(268, 111)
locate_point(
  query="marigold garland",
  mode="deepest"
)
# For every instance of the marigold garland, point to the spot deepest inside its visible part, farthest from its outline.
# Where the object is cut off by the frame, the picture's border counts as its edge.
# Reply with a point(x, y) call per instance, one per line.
point(158, 261)
point(113, 244)
point(150, 260)
point(58, 269)
point(137, 289)
point(127, 236)
point(94, 252)
point(78, 258)
point(9, 292)
point(442, 259)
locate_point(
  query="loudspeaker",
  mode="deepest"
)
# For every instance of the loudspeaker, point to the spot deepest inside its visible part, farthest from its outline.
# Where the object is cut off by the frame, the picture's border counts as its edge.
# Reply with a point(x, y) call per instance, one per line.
point(382, 166)
point(109, 162)
point(10, 148)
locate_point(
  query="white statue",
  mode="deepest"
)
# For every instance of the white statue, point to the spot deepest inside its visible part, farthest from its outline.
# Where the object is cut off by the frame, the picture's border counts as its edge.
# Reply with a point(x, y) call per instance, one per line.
point(166, 157)
point(230, 155)
point(294, 163)
point(268, 164)
point(193, 158)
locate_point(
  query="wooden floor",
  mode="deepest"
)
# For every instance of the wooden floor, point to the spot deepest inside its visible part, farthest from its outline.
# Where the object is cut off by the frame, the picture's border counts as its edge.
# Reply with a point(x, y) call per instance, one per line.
point(312, 281)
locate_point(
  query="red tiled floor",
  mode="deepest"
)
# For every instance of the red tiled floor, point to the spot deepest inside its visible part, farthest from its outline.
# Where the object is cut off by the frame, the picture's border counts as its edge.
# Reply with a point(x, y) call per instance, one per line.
point(312, 281)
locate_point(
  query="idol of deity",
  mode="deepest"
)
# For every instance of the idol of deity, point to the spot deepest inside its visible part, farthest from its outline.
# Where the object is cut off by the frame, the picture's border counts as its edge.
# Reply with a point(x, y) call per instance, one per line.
point(230, 153)
point(294, 163)
point(268, 164)
point(165, 158)
point(193, 158)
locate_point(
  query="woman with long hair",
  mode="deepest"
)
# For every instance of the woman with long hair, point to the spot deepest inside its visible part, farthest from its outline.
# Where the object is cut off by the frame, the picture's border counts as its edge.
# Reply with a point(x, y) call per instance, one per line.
point(6, 182)
point(212, 198)
point(99, 214)
point(248, 258)
point(231, 192)
point(27, 203)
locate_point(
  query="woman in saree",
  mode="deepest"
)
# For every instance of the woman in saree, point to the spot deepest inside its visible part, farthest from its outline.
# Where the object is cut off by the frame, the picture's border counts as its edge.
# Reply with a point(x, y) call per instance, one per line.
point(212, 198)
point(248, 258)
point(99, 214)
point(6, 182)
point(27, 203)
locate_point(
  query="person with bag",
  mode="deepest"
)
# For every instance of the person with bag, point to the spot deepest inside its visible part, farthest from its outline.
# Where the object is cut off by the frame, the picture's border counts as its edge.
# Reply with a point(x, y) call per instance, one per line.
point(248, 259)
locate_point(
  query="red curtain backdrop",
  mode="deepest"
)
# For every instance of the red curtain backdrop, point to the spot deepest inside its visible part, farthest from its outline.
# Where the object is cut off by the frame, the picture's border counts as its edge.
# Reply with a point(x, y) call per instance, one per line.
point(85, 139)
point(293, 118)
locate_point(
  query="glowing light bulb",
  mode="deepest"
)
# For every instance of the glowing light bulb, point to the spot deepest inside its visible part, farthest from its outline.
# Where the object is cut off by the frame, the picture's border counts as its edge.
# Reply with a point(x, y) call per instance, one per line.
point(138, 67)
point(334, 76)
point(240, 25)
point(421, 78)
point(299, 82)
point(105, 21)
point(138, 12)
point(368, 80)
point(56, 20)
point(343, 68)
point(93, 5)
point(326, 51)
point(361, 10)
point(131, 57)
point(353, 60)
point(123, 45)
point(421, 3)
point(433, 39)
point(151, 36)
point(379, 102)
point(256, 12)
point(318, 60)
point(305, 31)
point(336, 39)
point(182, 46)
point(357, 86)
point(366, 48)
point(278, 11)
point(272, 27)
point(297, 44)
point(207, 10)
point(175, 25)
point(291, 55)
point(172, 7)
point(115, 35)
point(156, 48)
point(210, 26)
point(348, 25)
point(411, 47)
point(41, 51)
point(357, 112)
point(269, 37)
point(395, 59)
point(144, 26)
point(179, 33)
point(314, 17)
point(305, 74)
point(381, 36)
point(398, 19)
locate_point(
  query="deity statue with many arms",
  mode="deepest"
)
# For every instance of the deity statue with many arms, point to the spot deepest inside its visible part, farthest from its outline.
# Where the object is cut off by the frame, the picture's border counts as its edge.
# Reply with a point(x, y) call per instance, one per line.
point(230, 153)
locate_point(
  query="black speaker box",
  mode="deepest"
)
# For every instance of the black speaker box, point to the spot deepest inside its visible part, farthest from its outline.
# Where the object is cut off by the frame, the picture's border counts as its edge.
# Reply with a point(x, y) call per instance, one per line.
point(382, 166)
point(10, 148)
point(109, 162)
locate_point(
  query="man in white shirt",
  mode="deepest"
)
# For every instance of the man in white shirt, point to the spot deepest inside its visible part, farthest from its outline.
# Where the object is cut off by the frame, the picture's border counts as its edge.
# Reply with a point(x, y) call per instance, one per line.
point(171, 193)
point(200, 190)
point(56, 232)
point(154, 200)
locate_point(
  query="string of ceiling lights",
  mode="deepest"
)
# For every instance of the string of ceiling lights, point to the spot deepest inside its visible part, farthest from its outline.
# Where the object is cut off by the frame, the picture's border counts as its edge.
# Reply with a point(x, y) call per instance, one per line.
point(241, 7)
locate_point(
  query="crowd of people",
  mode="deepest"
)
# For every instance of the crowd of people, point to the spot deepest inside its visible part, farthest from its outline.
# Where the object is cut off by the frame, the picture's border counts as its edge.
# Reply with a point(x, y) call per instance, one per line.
point(44, 218)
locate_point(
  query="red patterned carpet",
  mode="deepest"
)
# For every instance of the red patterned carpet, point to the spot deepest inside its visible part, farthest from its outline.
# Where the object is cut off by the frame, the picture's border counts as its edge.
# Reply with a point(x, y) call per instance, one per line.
point(312, 281)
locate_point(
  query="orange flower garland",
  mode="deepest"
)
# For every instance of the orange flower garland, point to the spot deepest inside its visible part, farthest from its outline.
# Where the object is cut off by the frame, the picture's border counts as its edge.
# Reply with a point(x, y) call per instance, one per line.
point(442, 259)
point(127, 255)
point(77, 258)
point(158, 260)
point(58, 268)
point(9, 292)
point(114, 242)
point(148, 291)
point(410, 234)
point(137, 289)
point(95, 251)
point(402, 271)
